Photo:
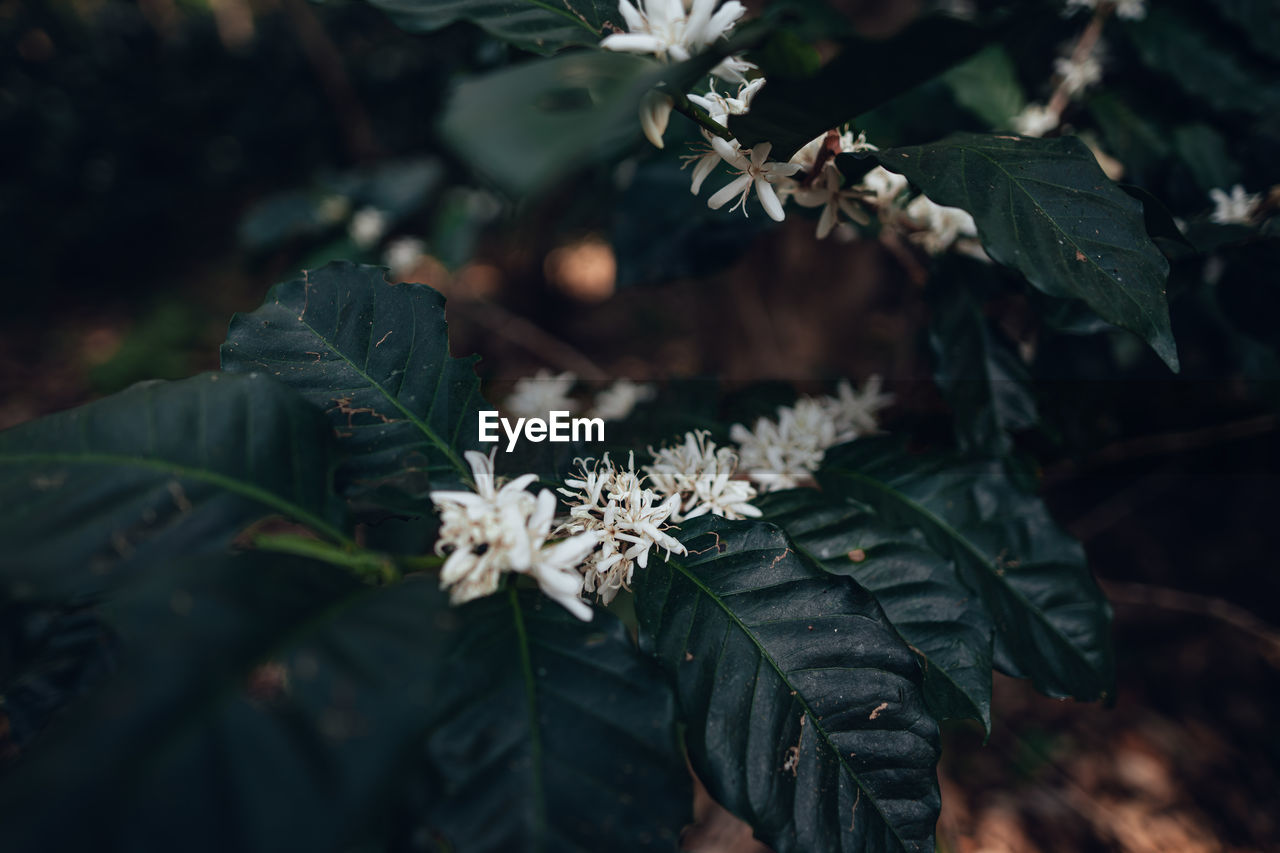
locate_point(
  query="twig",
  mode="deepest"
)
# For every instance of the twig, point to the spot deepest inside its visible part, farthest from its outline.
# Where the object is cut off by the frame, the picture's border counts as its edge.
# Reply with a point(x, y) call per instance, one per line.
point(681, 104)
point(1088, 40)
point(1161, 444)
point(1164, 598)
point(326, 61)
point(525, 334)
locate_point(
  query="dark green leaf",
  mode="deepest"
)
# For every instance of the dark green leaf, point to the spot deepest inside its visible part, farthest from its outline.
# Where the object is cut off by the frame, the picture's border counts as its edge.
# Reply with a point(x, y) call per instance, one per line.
point(935, 615)
point(804, 710)
point(560, 736)
point(1204, 150)
point(1044, 207)
point(1177, 47)
point(542, 26)
point(866, 73)
point(526, 126)
point(1258, 21)
point(979, 372)
point(1052, 622)
point(261, 704)
point(987, 85)
point(159, 469)
point(375, 357)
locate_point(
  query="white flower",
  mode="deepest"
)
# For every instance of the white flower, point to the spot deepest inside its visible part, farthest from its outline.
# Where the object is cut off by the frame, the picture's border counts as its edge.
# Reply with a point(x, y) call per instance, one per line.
point(491, 531)
point(939, 226)
point(785, 453)
point(881, 186)
point(1077, 75)
point(367, 227)
point(719, 107)
point(854, 412)
point(1234, 209)
point(672, 29)
point(752, 171)
point(541, 394)
point(403, 254)
point(618, 400)
point(628, 519)
point(704, 160)
point(702, 476)
point(1035, 120)
point(827, 192)
point(655, 111)
point(734, 69)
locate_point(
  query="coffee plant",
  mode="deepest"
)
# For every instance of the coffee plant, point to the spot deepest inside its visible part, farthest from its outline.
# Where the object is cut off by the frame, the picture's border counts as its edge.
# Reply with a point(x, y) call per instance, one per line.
point(306, 602)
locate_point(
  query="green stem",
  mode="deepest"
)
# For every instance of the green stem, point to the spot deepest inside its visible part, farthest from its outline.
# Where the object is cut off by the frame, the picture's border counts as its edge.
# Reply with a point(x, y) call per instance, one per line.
point(366, 564)
point(681, 104)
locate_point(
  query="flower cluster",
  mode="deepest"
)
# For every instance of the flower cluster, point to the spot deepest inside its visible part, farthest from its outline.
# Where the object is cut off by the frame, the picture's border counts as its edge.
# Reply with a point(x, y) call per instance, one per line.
point(1234, 208)
point(613, 504)
point(702, 476)
point(545, 392)
point(494, 530)
point(784, 453)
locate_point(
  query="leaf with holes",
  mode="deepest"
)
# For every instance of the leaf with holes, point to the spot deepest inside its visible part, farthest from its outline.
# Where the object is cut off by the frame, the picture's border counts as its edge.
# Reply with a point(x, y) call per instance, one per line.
point(979, 372)
point(937, 616)
point(561, 736)
point(1044, 207)
point(542, 27)
point(1052, 623)
point(261, 703)
point(160, 469)
point(804, 710)
point(375, 357)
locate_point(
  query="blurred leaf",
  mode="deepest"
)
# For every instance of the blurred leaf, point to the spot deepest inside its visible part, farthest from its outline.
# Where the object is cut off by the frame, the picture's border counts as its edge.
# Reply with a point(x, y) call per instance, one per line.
point(160, 346)
point(161, 469)
point(1204, 150)
point(933, 613)
point(1132, 137)
point(987, 85)
point(866, 73)
point(262, 704)
point(560, 735)
point(1052, 622)
point(1176, 47)
point(979, 372)
point(542, 26)
point(1258, 22)
point(375, 358)
point(804, 711)
point(1044, 207)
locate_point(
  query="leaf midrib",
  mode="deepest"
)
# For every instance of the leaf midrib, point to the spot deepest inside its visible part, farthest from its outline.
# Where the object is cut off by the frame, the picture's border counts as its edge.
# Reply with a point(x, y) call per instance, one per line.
point(795, 691)
point(231, 484)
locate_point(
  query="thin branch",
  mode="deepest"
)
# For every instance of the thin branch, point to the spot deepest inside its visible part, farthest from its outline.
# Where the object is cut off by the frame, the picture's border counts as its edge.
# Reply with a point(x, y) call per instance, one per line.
point(681, 104)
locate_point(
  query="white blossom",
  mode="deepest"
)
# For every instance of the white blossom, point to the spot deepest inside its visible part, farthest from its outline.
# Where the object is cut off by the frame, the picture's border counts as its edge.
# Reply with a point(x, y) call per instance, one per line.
point(734, 69)
point(403, 254)
point(1035, 120)
point(628, 519)
point(655, 112)
point(784, 453)
point(541, 394)
point(853, 411)
point(939, 227)
point(882, 187)
point(704, 161)
point(673, 29)
point(1076, 75)
point(755, 170)
point(827, 192)
point(1235, 208)
point(702, 475)
point(493, 530)
point(720, 107)
point(367, 227)
point(618, 400)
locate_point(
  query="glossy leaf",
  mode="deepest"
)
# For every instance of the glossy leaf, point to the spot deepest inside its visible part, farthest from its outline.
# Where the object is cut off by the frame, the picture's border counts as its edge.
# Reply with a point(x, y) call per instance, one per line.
point(161, 469)
point(375, 358)
point(261, 704)
point(1044, 207)
point(559, 736)
point(804, 710)
point(1052, 622)
point(542, 26)
point(979, 372)
point(935, 615)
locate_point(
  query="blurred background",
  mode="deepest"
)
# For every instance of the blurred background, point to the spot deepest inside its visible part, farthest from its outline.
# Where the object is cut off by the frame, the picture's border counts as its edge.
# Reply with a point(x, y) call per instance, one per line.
point(166, 161)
